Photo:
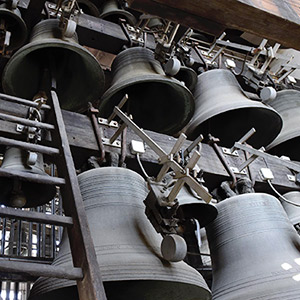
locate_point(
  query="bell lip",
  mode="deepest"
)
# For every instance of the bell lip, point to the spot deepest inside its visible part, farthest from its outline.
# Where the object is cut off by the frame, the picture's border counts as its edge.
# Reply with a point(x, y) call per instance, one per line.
point(21, 26)
point(49, 192)
point(203, 290)
point(117, 87)
point(129, 16)
point(193, 131)
point(56, 43)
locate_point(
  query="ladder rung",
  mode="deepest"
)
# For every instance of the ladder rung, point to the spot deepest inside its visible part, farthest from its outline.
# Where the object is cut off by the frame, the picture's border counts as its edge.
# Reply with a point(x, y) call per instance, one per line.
point(32, 177)
point(33, 216)
point(29, 146)
point(23, 101)
point(27, 122)
point(37, 270)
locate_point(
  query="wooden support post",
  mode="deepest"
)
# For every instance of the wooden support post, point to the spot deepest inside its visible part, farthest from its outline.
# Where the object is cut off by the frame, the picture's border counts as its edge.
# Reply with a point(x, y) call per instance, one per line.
point(82, 247)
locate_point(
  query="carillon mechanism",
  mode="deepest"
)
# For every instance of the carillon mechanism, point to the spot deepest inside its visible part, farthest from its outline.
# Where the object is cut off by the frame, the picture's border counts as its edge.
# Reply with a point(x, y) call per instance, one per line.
point(129, 164)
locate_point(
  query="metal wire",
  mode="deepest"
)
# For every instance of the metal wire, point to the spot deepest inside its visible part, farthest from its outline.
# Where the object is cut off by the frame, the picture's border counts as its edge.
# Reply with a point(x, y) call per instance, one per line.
point(141, 166)
point(280, 196)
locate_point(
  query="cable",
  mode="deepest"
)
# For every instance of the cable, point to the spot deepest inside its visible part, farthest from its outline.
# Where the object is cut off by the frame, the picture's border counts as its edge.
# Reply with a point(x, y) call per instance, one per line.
point(197, 232)
point(141, 166)
point(280, 196)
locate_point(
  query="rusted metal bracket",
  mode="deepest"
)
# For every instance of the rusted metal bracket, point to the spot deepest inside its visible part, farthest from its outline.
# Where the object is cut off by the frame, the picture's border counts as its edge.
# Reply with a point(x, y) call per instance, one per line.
point(93, 113)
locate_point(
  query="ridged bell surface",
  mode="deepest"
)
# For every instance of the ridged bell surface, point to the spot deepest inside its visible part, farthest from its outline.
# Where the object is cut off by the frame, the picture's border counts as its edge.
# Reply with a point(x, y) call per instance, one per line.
point(36, 193)
point(291, 210)
point(287, 104)
point(157, 102)
point(255, 250)
point(111, 12)
point(13, 23)
point(79, 76)
point(126, 244)
point(193, 207)
point(224, 111)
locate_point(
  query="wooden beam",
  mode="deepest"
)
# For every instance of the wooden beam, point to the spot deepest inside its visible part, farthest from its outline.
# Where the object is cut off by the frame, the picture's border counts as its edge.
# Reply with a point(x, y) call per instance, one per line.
point(83, 144)
point(272, 19)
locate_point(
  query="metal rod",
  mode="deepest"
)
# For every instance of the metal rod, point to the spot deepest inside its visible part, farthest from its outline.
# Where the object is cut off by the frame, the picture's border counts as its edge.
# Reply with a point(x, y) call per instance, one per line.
point(23, 101)
point(3, 235)
point(189, 149)
point(244, 138)
point(155, 147)
point(22, 121)
point(29, 146)
point(120, 105)
point(270, 157)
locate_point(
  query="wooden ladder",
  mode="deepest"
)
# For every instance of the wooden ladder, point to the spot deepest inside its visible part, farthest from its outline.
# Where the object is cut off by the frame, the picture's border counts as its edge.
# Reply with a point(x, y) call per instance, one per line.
point(86, 270)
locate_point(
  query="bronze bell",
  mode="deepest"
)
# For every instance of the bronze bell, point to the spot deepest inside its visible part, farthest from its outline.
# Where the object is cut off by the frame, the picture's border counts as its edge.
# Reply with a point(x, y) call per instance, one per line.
point(155, 24)
point(255, 250)
point(12, 21)
point(126, 244)
point(18, 193)
point(112, 12)
point(78, 74)
point(292, 211)
point(225, 112)
point(188, 76)
point(156, 101)
point(193, 207)
point(88, 7)
point(287, 104)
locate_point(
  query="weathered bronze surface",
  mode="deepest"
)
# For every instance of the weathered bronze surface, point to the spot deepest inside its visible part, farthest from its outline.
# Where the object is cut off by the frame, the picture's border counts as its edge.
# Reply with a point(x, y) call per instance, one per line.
point(157, 102)
point(254, 250)
point(225, 112)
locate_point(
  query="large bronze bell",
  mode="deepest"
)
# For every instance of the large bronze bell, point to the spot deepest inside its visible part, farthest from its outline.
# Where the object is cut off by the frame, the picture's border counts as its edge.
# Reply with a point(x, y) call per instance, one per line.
point(156, 101)
point(111, 12)
point(292, 211)
point(13, 22)
point(195, 208)
point(287, 104)
point(78, 74)
point(255, 250)
point(18, 193)
point(126, 244)
point(224, 111)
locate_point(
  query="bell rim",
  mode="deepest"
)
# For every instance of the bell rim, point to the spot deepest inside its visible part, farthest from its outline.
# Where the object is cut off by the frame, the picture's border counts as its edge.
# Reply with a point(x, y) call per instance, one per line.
point(54, 43)
point(21, 26)
point(193, 131)
point(118, 86)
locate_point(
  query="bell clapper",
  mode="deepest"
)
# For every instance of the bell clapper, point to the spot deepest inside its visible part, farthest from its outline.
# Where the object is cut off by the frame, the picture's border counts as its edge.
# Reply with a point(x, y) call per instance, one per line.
point(17, 197)
point(5, 36)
